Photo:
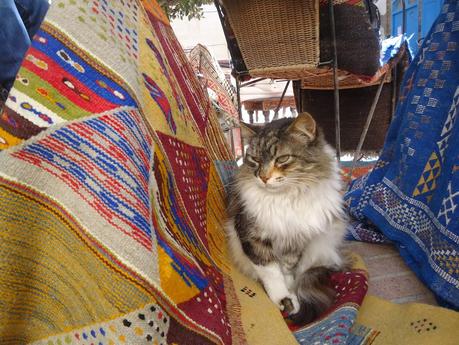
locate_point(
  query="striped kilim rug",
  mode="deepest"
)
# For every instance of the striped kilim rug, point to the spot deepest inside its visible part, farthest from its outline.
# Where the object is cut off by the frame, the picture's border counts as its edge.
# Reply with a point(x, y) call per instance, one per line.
point(111, 200)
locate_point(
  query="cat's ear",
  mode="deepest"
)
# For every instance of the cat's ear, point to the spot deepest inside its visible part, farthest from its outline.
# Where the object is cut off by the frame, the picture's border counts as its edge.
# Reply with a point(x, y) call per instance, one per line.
point(248, 130)
point(304, 125)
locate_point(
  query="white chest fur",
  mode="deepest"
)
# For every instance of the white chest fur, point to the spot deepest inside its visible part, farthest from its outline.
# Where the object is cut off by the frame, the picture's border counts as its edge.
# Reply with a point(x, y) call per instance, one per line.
point(297, 213)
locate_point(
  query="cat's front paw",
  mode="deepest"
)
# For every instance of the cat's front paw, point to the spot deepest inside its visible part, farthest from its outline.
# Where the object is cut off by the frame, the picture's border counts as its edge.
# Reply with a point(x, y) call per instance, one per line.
point(290, 305)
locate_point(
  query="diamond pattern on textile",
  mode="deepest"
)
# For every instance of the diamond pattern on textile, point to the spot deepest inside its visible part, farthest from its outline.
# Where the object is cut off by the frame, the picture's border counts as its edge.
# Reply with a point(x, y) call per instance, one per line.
point(365, 233)
point(431, 171)
point(450, 121)
point(365, 198)
point(448, 206)
point(399, 212)
point(446, 256)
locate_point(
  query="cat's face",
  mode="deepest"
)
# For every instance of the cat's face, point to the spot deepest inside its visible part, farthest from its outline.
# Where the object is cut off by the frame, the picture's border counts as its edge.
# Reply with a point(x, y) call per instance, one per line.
point(285, 153)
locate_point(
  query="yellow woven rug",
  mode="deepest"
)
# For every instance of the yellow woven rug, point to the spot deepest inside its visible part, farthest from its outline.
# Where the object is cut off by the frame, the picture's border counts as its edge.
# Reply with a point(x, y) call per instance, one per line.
point(408, 324)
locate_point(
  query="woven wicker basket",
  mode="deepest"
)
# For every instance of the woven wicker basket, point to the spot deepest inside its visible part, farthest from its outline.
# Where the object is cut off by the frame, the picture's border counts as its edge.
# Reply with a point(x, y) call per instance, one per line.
point(277, 38)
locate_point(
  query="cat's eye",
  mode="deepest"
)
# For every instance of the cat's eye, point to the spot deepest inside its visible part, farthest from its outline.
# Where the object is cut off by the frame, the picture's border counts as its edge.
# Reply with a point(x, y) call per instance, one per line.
point(252, 159)
point(282, 159)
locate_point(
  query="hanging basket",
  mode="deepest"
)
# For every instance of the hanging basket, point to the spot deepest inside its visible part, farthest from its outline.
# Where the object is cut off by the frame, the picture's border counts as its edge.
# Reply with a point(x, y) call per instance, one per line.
point(277, 38)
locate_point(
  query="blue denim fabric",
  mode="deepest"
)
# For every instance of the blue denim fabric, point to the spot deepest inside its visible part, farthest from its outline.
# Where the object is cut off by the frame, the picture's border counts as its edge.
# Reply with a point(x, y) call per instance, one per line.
point(20, 20)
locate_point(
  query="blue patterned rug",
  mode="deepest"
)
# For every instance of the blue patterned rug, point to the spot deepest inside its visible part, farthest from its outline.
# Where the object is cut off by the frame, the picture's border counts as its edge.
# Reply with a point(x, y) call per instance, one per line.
point(412, 194)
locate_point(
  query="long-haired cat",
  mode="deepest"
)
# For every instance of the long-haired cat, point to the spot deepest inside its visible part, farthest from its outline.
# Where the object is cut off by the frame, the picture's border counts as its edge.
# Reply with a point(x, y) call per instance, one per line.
point(286, 220)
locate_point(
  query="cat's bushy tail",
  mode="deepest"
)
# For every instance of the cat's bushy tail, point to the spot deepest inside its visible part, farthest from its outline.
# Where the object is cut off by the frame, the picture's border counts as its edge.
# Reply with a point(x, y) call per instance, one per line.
point(314, 293)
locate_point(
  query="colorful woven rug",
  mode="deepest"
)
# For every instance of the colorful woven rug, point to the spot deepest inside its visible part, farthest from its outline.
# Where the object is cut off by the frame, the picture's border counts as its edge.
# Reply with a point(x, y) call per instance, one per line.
point(411, 195)
point(337, 325)
point(111, 200)
point(357, 318)
point(384, 323)
point(361, 168)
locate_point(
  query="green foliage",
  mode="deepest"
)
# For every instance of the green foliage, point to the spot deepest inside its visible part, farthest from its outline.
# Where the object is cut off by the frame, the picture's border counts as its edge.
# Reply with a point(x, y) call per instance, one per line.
point(183, 8)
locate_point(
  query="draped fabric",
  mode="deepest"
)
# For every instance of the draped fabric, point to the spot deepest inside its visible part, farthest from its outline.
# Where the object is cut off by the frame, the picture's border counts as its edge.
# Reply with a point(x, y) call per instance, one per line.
point(412, 194)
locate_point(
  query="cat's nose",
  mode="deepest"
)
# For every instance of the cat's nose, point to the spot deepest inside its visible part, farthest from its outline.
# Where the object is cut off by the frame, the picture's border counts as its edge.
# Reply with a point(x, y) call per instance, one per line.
point(264, 178)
